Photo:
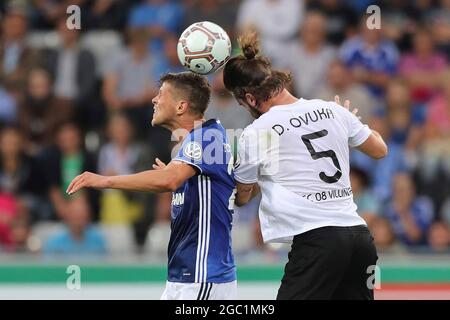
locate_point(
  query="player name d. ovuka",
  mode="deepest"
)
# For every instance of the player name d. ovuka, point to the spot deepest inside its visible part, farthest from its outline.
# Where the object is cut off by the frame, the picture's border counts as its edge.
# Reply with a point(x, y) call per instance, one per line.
point(305, 119)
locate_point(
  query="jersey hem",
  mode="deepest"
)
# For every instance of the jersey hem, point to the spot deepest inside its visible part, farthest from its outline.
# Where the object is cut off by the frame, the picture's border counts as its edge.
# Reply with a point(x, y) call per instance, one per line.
point(240, 180)
point(288, 237)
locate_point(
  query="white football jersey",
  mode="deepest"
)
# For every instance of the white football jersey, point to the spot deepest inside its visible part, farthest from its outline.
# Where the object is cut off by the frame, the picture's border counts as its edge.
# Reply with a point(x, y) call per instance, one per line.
point(299, 155)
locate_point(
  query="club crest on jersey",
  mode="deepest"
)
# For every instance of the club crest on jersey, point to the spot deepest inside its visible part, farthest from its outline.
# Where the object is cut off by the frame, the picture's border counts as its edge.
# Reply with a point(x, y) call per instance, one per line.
point(193, 150)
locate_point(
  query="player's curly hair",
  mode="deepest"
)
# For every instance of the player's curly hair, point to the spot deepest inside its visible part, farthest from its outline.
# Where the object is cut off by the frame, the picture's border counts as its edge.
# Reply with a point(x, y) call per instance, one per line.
point(252, 73)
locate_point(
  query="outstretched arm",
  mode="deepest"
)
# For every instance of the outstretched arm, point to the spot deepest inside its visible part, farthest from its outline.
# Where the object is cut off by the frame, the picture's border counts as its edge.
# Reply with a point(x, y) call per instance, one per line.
point(163, 180)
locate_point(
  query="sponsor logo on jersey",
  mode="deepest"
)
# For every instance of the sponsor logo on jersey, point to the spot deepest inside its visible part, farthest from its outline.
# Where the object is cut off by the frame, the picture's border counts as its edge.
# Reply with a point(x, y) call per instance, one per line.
point(193, 150)
point(178, 199)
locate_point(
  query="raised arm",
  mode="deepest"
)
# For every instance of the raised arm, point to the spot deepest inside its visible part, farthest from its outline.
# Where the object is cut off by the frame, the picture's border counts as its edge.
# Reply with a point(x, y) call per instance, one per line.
point(167, 179)
point(374, 146)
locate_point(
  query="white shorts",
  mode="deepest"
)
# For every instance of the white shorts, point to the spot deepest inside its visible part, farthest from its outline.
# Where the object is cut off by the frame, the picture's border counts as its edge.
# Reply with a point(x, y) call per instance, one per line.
point(200, 291)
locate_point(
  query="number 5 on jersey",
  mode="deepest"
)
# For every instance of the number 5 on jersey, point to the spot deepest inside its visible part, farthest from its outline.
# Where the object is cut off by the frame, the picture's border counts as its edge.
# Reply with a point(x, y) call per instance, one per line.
point(322, 154)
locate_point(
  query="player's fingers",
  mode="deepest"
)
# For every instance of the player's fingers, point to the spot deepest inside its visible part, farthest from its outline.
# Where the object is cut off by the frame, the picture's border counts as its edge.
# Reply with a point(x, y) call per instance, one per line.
point(154, 166)
point(72, 183)
point(160, 163)
point(337, 100)
point(347, 104)
point(80, 184)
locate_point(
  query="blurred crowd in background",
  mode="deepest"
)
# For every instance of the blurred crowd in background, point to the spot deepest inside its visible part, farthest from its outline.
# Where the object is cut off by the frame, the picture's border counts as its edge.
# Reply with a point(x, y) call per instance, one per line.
point(76, 100)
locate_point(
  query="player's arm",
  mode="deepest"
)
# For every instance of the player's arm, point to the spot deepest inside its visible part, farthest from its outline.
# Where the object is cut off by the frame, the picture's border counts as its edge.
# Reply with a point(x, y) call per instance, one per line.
point(245, 193)
point(374, 146)
point(164, 180)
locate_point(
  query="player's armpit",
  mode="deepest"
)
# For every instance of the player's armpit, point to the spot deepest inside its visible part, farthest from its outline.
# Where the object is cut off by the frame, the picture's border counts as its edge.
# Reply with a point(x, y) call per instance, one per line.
point(245, 192)
point(374, 146)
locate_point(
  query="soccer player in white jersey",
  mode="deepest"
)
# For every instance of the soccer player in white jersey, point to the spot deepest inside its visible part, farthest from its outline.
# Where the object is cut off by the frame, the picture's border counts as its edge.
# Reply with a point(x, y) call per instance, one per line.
point(201, 264)
point(297, 153)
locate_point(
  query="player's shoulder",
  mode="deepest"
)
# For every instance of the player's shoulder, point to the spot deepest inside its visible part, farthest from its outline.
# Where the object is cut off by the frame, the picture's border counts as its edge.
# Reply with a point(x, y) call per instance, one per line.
point(208, 128)
point(318, 103)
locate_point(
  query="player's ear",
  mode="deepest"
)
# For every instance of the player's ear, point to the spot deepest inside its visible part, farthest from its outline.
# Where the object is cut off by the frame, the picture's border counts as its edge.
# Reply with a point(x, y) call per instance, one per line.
point(251, 100)
point(182, 107)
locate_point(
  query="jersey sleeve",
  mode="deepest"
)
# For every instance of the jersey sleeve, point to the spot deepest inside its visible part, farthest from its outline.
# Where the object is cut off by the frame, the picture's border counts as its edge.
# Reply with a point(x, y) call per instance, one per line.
point(358, 132)
point(247, 164)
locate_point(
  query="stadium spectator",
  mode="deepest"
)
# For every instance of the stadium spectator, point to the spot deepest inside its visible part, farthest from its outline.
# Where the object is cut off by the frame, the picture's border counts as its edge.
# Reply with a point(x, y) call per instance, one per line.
point(404, 118)
point(439, 237)
point(159, 17)
point(339, 82)
point(222, 13)
point(342, 20)
point(438, 115)
point(422, 68)
point(73, 69)
point(368, 206)
point(313, 56)
point(439, 22)
point(410, 216)
point(108, 14)
point(8, 107)
point(128, 83)
point(20, 233)
point(46, 13)
point(8, 213)
point(371, 57)
point(169, 62)
point(276, 21)
point(64, 162)
point(41, 113)
point(16, 57)
point(121, 156)
point(383, 234)
point(21, 177)
point(401, 19)
point(79, 236)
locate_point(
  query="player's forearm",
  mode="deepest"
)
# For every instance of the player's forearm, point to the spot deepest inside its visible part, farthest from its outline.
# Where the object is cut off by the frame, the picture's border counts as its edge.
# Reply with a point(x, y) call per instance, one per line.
point(147, 181)
point(245, 193)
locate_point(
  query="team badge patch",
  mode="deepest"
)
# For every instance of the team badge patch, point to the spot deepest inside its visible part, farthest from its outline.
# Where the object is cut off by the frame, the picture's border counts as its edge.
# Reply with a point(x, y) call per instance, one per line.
point(193, 150)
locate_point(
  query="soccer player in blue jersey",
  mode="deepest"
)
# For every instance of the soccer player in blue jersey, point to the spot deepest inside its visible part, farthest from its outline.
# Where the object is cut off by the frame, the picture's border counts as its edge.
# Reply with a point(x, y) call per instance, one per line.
point(201, 264)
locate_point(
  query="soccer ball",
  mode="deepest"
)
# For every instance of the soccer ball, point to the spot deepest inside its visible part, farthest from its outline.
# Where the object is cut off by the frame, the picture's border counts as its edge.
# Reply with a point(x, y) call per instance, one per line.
point(204, 47)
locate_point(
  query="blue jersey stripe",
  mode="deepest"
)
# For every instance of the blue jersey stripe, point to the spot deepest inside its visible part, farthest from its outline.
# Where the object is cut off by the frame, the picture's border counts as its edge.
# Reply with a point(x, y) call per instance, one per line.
point(204, 227)
point(208, 225)
point(200, 216)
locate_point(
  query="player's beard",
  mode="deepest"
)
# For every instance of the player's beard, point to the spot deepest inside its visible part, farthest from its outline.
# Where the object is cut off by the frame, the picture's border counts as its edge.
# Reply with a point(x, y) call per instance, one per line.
point(254, 112)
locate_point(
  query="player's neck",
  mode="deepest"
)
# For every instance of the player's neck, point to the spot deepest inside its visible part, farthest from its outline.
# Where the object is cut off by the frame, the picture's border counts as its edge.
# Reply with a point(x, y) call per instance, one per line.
point(284, 97)
point(182, 128)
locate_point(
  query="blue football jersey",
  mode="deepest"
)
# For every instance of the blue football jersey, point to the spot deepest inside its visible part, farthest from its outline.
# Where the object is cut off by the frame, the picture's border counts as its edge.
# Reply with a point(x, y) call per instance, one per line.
point(201, 214)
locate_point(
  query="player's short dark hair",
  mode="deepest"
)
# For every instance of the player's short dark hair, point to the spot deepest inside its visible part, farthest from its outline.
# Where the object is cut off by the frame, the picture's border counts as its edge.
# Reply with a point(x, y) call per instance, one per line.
point(193, 87)
point(253, 73)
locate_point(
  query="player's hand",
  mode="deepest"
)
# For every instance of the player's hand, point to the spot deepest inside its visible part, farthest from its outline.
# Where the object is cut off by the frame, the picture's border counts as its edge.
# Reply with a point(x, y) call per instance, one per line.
point(87, 180)
point(159, 164)
point(346, 105)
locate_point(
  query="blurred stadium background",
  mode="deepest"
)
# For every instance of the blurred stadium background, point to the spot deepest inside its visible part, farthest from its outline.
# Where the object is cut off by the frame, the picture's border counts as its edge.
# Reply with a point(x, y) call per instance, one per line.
point(75, 100)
